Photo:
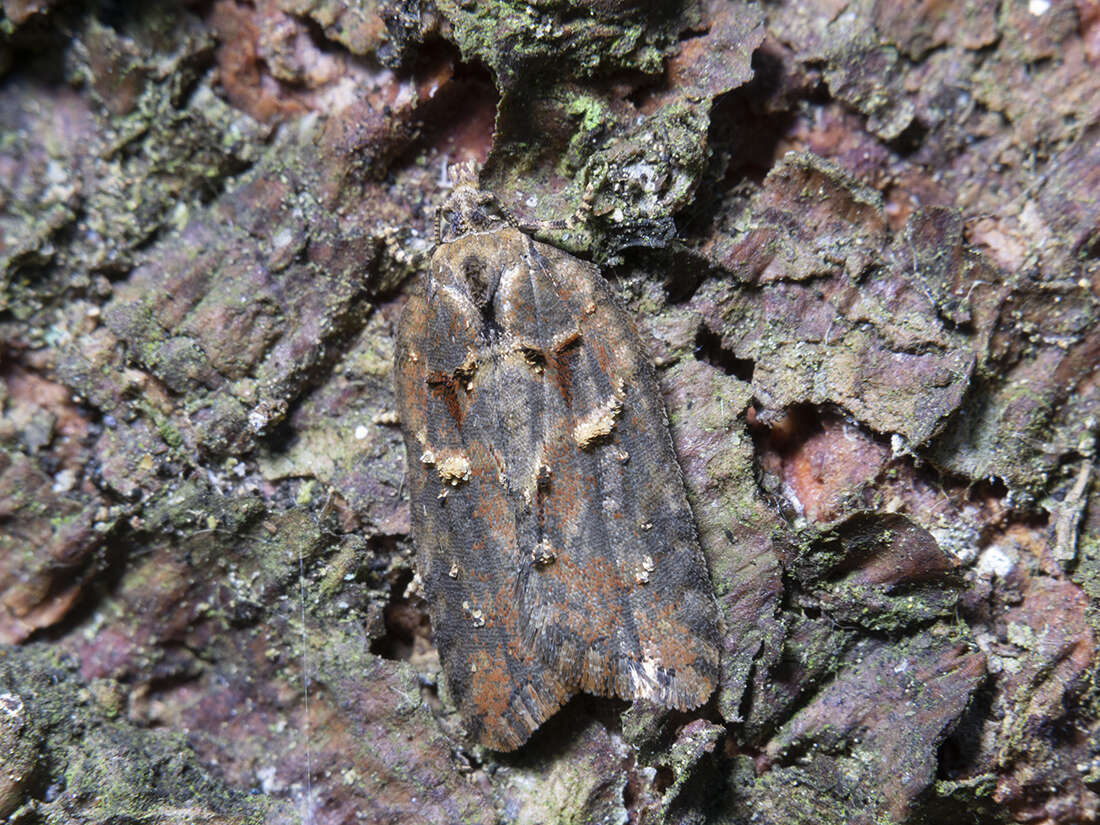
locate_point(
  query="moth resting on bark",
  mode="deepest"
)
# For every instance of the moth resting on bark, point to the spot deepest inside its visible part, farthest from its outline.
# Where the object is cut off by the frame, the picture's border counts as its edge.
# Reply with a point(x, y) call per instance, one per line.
point(554, 539)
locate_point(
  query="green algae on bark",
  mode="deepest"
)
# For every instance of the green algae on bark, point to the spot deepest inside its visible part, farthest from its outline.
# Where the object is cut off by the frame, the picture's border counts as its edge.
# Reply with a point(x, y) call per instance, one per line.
point(614, 170)
point(519, 40)
point(822, 762)
point(98, 768)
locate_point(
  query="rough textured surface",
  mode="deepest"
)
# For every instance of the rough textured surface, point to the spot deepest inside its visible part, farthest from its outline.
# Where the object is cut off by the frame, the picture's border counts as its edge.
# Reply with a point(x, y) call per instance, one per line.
point(60, 732)
point(861, 241)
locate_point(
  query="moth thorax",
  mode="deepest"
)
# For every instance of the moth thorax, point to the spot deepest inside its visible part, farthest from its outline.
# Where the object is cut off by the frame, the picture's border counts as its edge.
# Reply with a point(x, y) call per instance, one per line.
point(482, 277)
point(467, 211)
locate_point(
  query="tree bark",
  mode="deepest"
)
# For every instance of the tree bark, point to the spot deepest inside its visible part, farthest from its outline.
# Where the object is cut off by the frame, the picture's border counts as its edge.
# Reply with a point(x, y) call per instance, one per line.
point(862, 243)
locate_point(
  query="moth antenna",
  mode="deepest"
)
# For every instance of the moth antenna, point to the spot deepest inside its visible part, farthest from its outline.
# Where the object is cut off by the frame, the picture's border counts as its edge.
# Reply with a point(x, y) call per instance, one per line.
point(584, 208)
point(579, 216)
point(510, 217)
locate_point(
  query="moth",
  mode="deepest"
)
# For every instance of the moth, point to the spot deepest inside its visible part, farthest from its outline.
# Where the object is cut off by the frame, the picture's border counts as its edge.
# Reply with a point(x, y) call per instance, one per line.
point(554, 539)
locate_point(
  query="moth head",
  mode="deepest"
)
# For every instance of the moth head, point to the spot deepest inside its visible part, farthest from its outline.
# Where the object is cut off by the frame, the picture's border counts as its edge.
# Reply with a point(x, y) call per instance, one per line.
point(468, 209)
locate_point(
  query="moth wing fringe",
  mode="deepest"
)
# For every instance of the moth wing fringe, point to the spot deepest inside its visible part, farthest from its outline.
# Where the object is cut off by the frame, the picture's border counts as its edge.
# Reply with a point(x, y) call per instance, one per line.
point(528, 707)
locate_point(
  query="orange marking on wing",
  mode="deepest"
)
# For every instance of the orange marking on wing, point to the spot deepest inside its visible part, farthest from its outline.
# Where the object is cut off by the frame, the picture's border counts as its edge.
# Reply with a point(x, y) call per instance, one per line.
point(442, 387)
